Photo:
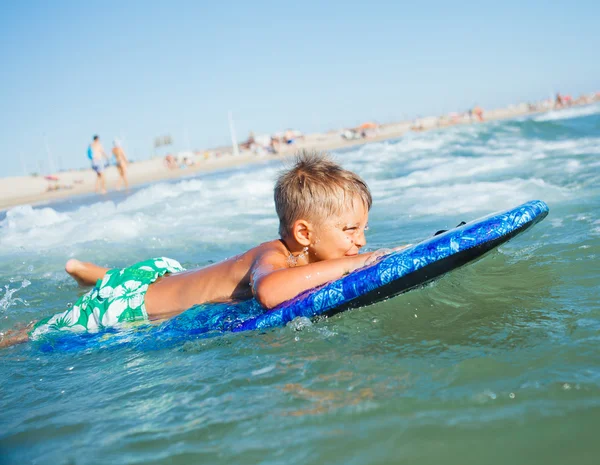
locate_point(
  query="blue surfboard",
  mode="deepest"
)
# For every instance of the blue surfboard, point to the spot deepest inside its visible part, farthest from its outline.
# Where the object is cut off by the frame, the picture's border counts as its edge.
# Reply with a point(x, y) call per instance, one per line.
point(394, 274)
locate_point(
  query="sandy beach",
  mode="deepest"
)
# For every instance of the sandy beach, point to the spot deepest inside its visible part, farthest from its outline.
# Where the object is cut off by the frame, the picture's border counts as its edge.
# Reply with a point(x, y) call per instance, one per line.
point(22, 190)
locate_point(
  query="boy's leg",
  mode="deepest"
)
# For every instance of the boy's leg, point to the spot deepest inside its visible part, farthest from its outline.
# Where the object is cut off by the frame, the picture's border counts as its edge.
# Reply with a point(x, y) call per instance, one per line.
point(86, 274)
point(13, 337)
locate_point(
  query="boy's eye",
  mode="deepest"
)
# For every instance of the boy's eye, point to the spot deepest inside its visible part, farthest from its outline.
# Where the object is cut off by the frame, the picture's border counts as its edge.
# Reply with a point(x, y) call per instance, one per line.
point(354, 229)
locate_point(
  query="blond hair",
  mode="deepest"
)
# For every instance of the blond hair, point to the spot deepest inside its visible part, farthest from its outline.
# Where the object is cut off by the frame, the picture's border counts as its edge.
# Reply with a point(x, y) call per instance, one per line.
point(314, 188)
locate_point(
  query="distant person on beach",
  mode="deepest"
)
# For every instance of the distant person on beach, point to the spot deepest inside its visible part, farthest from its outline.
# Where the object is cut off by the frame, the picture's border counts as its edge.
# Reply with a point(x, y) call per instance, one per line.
point(274, 145)
point(558, 102)
point(417, 125)
point(99, 160)
point(323, 212)
point(249, 144)
point(171, 162)
point(288, 136)
point(122, 163)
point(478, 112)
point(291, 136)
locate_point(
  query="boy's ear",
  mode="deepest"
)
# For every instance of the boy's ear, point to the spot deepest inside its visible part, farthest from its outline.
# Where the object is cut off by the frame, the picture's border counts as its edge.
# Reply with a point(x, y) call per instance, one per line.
point(302, 232)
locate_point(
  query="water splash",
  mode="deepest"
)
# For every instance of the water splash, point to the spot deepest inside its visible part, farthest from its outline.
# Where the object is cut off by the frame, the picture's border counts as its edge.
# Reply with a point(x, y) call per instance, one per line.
point(8, 301)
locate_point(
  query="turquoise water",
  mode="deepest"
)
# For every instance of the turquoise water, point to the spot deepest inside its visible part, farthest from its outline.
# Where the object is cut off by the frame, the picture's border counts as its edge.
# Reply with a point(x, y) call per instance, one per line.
point(495, 362)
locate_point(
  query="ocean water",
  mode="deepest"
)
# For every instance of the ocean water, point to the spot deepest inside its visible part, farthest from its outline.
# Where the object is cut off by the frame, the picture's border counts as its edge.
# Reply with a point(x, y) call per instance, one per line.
point(495, 362)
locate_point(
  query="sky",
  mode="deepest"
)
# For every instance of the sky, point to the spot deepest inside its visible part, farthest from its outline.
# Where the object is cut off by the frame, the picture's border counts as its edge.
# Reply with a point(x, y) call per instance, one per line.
point(140, 70)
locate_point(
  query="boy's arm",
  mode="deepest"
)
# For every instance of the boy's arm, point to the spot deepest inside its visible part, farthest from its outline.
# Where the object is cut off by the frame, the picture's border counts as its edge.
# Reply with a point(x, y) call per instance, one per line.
point(273, 282)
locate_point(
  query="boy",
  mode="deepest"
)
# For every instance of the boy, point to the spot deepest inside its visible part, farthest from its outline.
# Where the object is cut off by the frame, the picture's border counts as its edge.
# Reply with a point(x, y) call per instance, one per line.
point(323, 212)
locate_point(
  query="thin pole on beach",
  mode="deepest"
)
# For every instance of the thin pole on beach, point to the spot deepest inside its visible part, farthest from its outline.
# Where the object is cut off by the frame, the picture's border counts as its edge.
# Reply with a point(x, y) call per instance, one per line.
point(50, 161)
point(234, 146)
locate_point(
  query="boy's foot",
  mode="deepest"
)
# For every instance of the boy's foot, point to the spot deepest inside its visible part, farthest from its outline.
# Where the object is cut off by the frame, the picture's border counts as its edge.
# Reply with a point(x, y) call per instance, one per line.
point(86, 274)
point(76, 268)
point(15, 336)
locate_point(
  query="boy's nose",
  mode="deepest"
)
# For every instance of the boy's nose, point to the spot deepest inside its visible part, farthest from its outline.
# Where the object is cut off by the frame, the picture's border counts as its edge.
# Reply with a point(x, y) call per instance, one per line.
point(361, 240)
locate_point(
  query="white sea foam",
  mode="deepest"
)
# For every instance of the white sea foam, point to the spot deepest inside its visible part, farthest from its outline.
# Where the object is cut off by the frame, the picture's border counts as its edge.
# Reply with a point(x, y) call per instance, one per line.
point(23, 217)
point(7, 300)
point(472, 196)
point(458, 170)
point(206, 210)
point(569, 113)
point(565, 148)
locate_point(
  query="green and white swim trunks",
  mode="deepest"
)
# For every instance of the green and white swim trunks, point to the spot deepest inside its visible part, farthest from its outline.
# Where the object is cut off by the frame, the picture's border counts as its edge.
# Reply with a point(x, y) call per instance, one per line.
point(117, 298)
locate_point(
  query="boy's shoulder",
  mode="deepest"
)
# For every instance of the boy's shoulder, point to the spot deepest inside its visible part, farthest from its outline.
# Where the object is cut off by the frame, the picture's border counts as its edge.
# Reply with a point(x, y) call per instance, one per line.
point(272, 251)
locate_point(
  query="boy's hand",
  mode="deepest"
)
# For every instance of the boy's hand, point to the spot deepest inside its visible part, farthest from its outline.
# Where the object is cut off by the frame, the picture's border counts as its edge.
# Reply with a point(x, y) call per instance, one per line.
point(379, 254)
point(274, 281)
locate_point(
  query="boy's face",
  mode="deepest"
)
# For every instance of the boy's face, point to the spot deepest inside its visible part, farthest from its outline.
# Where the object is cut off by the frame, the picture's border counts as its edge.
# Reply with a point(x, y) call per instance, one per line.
point(341, 235)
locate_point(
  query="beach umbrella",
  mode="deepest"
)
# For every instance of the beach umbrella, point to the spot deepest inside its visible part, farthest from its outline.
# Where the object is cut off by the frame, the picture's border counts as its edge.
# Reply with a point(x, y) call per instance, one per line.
point(368, 125)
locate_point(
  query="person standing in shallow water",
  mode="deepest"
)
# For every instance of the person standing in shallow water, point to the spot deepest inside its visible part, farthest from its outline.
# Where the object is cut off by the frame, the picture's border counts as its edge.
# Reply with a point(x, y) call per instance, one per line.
point(122, 163)
point(99, 159)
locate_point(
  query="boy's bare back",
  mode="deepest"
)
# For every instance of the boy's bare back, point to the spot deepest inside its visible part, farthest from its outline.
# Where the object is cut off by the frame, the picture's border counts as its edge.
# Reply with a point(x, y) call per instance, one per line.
point(274, 271)
point(223, 281)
